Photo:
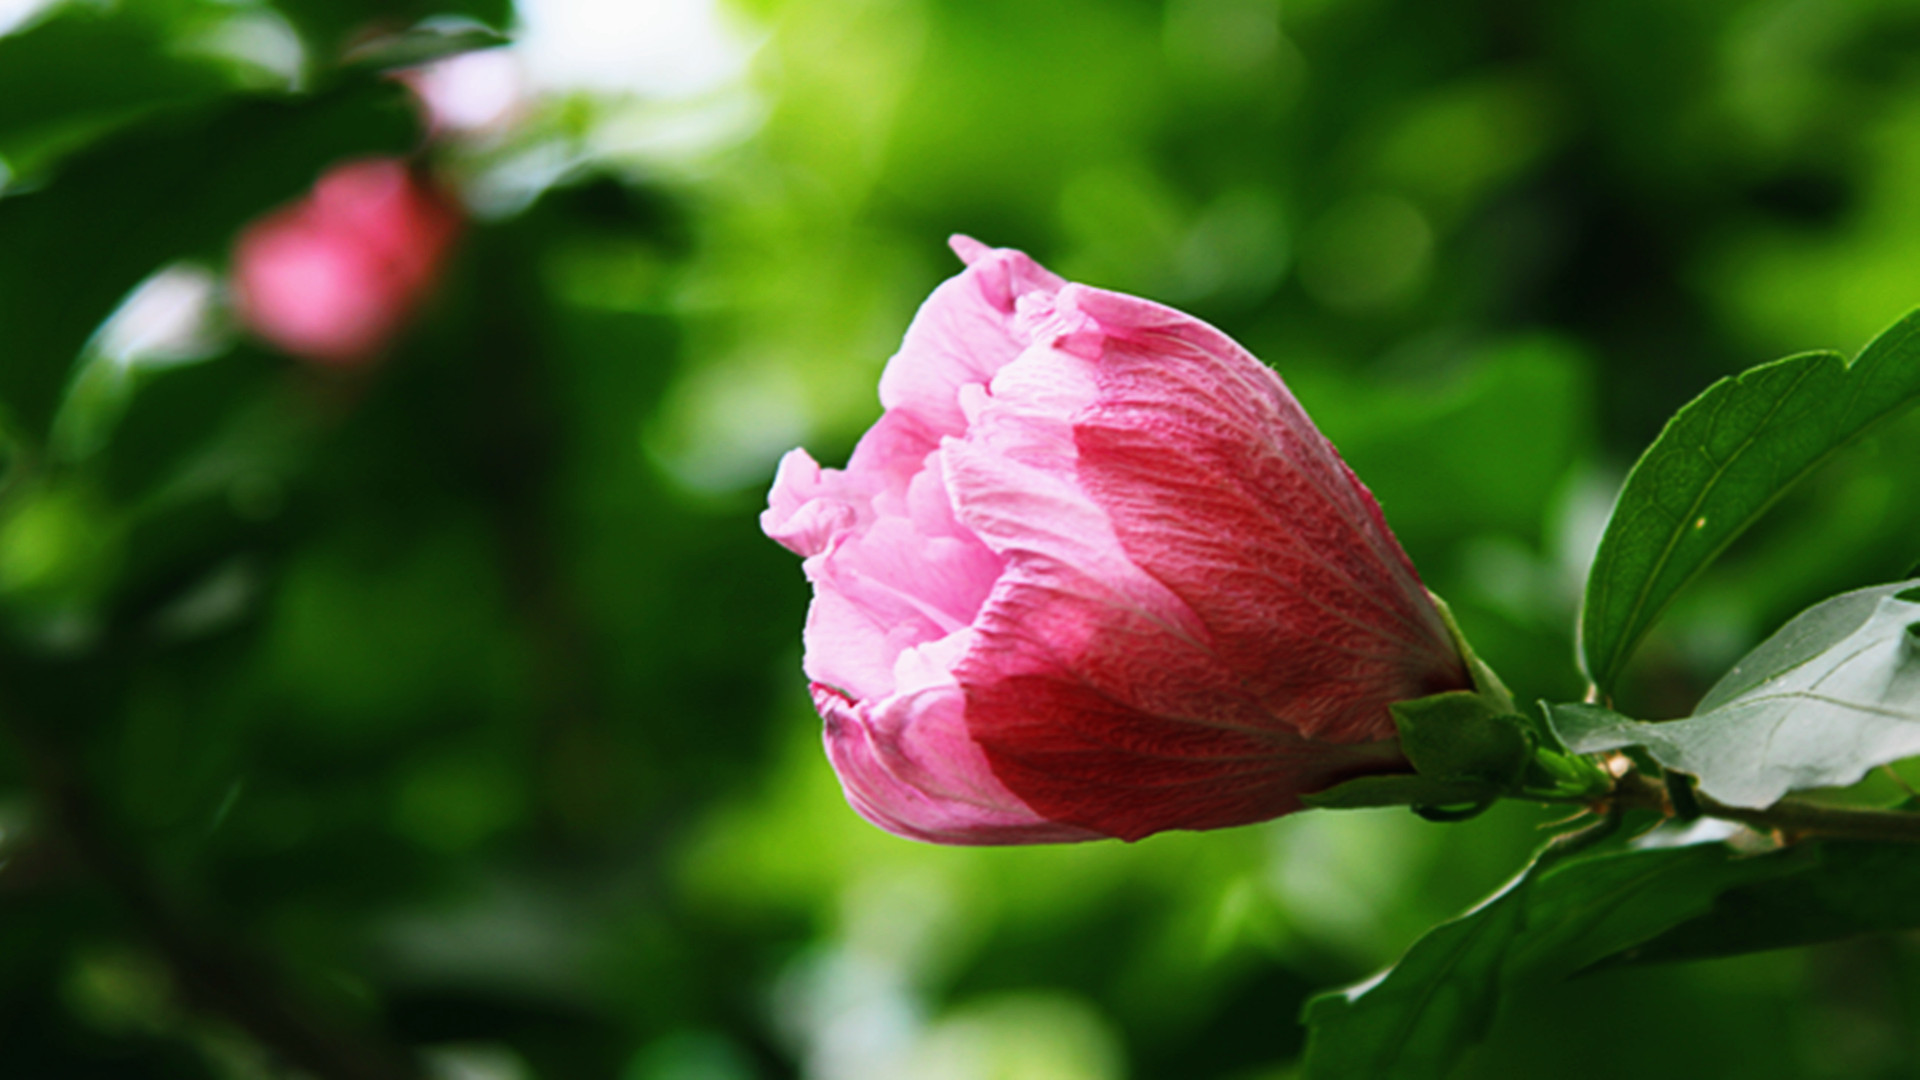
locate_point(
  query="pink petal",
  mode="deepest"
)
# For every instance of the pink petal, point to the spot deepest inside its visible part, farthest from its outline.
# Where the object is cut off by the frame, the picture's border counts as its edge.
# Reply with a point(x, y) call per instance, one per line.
point(885, 589)
point(1078, 754)
point(797, 516)
point(1094, 572)
point(1221, 487)
point(810, 507)
point(1168, 654)
point(961, 335)
point(909, 766)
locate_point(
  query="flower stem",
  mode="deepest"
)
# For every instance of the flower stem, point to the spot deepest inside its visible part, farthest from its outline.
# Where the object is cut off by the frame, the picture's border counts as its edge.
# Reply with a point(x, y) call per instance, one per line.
point(1792, 817)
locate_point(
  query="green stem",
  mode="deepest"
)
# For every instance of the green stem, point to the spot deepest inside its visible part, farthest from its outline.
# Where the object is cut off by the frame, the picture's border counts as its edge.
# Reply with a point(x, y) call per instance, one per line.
point(1793, 817)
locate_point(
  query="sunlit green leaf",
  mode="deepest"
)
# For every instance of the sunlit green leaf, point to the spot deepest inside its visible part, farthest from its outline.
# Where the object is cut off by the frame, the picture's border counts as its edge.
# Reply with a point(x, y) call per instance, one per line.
point(1810, 633)
point(1833, 694)
point(1722, 460)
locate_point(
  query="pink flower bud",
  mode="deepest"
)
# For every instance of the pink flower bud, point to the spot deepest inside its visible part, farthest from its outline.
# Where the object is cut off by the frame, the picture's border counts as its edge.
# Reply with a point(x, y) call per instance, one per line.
point(1094, 573)
point(334, 277)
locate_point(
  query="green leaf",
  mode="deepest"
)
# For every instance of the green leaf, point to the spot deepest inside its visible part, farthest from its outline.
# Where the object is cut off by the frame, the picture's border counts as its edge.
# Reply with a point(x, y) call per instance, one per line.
point(82, 74)
point(1804, 637)
point(128, 206)
point(424, 44)
point(172, 416)
point(1721, 461)
point(1556, 920)
point(1587, 911)
point(328, 25)
point(1417, 1019)
point(1827, 891)
point(1582, 725)
point(1834, 693)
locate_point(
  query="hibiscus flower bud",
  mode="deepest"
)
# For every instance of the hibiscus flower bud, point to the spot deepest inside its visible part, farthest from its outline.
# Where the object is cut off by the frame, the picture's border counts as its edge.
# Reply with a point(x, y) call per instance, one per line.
point(333, 278)
point(1095, 573)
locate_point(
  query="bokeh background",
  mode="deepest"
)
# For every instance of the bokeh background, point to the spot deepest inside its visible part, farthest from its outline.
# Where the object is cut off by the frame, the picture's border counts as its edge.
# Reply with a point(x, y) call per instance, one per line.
point(440, 698)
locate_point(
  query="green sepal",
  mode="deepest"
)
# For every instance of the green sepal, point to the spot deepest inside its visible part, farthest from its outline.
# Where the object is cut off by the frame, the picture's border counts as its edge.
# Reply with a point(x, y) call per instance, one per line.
point(1469, 749)
point(1462, 736)
point(1485, 681)
point(1466, 752)
point(1478, 740)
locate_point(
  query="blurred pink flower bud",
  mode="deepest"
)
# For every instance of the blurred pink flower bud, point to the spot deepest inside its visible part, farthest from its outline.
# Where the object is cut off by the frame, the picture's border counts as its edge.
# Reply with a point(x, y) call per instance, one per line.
point(1094, 573)
point(334, 277)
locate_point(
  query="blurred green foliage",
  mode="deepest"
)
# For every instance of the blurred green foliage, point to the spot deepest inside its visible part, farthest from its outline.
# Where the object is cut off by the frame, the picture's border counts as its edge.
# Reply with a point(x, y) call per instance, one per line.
point(458, 695)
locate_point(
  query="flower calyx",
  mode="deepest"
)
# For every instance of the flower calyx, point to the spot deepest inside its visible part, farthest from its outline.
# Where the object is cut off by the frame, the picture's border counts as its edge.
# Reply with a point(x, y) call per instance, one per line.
point(1468, 752)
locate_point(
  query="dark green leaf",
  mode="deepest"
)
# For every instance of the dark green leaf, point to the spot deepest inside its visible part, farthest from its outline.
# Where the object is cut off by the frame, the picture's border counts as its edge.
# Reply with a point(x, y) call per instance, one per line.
point(174, 415)
point(82, 74)
point(421, 45)
point(1722, 460)
point(1831, 890)
point(1428, 1009)
point(329, 26)
point(1833, 694)
point(1416, 1021)
point(1584, 912)
point(171, 190)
